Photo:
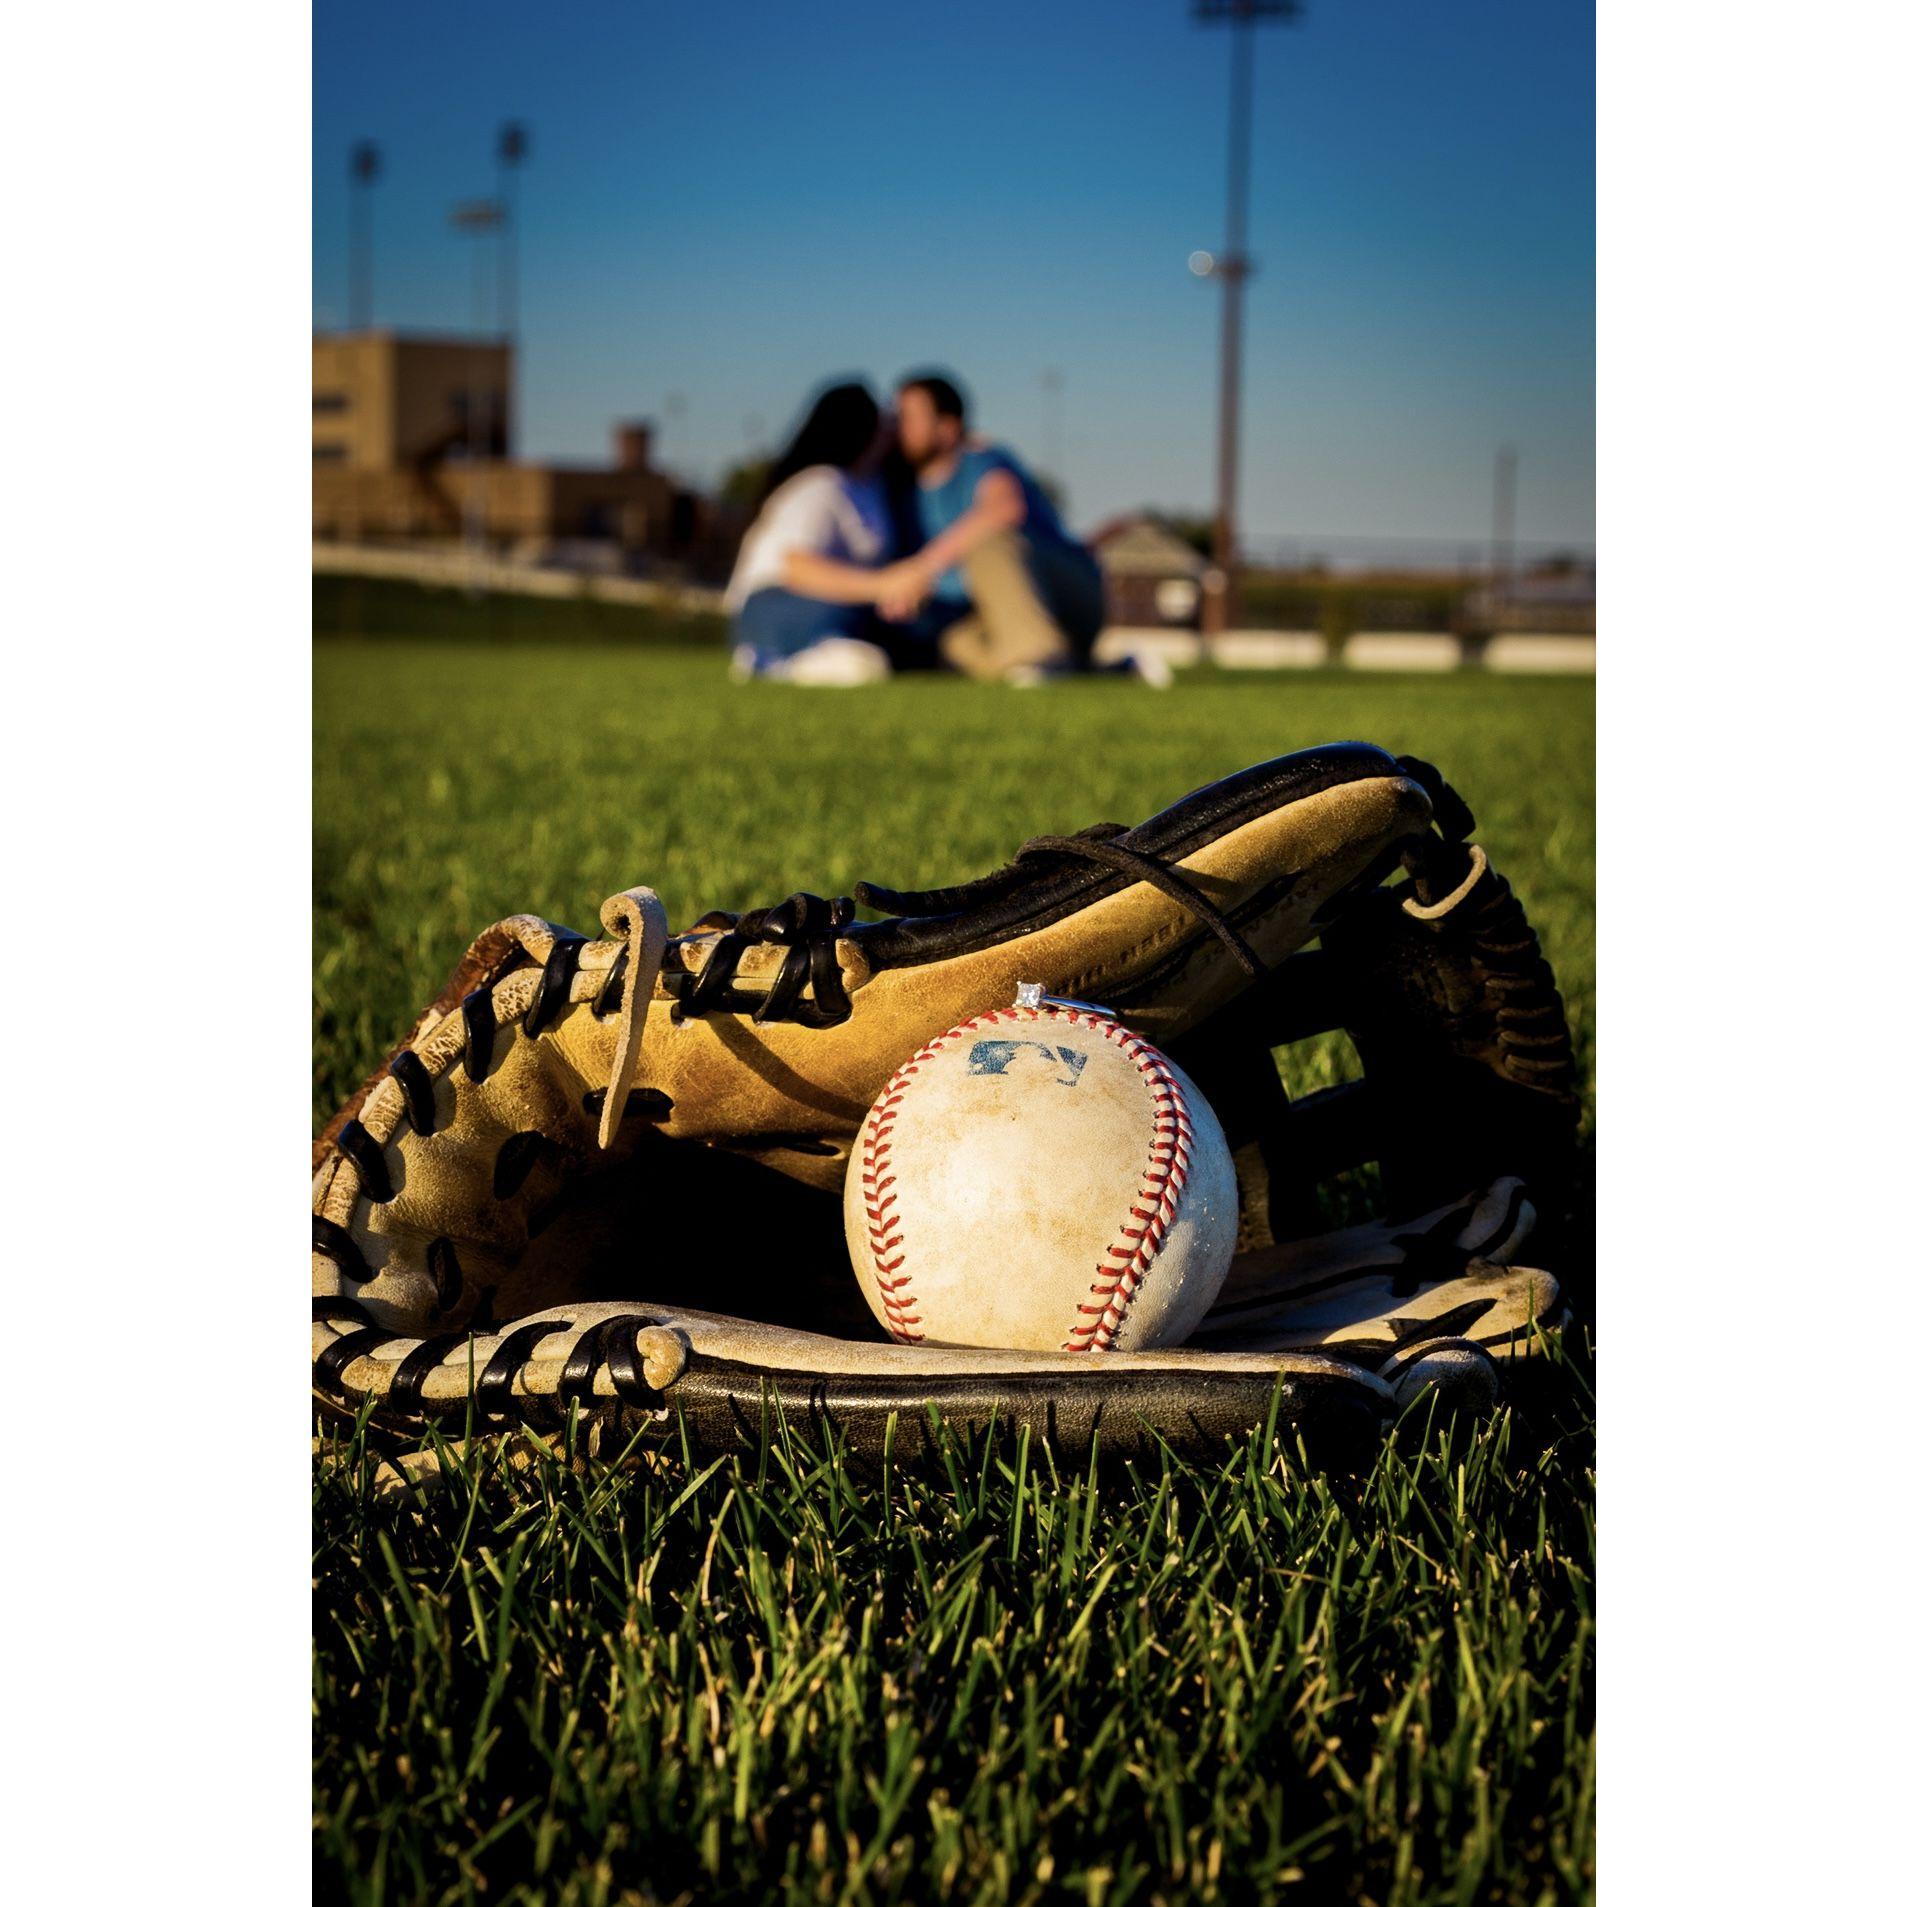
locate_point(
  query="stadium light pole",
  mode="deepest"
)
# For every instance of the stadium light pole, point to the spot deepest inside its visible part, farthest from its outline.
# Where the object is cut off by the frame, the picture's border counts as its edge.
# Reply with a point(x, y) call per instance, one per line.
point(366, 163)
point(513, 146)
point(1231, 268)
point(1503, 521)
point(476, 219)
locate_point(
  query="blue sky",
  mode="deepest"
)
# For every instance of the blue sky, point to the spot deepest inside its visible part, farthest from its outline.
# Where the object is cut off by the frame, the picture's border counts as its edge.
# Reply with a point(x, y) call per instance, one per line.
point(729, 201)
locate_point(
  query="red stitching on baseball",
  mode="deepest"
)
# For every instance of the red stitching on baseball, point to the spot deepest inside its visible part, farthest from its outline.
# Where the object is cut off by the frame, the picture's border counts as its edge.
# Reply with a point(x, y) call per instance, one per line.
point(1169, 1152)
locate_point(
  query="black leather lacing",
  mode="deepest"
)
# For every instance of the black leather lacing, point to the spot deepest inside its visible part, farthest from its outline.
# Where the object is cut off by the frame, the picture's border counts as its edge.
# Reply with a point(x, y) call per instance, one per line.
point(552, 995)
point(328, 1368)
point(480, 1033)
point(406, 1392)
point(610, 998)
point(644, 1102)
point(1163, 876)
point(364, 1152)
point(1531, 1024)
point(610, 1344)
point(1102, 844)
point(1452, 811)
point(804, 924)
point(1454, 1323)
point(1532, 1028)
point(333, 1241)
point(1437, 863)
point(420, 1100)
point(510, 1356)
point(495, 1380)
point(518, 1156)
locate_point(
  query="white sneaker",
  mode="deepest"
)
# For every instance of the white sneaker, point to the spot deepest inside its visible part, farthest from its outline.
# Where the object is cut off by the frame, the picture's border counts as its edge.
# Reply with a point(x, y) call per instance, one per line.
point(836, 662)
point(1027, 675)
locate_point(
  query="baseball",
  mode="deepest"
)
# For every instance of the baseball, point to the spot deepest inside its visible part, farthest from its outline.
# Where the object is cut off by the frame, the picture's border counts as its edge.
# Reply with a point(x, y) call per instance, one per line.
point(1040, 1178)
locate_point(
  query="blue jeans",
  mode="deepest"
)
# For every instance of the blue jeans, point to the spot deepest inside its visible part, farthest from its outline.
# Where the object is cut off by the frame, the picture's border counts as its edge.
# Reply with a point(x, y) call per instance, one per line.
point(776, 623)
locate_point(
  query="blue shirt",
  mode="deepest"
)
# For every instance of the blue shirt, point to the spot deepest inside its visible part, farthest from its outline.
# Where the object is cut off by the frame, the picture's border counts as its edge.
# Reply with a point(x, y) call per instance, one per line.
point(946, 503)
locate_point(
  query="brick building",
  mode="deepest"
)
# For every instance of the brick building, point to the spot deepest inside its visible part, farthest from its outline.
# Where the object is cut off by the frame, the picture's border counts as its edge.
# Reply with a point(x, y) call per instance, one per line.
point(411, 436)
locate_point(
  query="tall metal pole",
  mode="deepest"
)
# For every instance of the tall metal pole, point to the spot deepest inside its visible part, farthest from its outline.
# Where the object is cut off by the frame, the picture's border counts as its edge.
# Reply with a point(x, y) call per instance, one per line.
point(1221, 605)
point(476, 218)
point(1231, 269)
point(1503, 518)
point(476, 410)
point(366, 163)
point(513, 145)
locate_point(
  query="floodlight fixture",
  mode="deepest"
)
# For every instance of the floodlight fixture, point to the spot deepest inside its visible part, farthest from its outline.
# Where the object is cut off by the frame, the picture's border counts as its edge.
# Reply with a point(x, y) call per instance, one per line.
point(1231, 268)
point(1219, 12)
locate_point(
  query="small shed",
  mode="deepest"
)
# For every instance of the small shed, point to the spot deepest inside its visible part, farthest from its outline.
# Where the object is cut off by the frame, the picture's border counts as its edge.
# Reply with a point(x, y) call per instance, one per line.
point(1153, 575)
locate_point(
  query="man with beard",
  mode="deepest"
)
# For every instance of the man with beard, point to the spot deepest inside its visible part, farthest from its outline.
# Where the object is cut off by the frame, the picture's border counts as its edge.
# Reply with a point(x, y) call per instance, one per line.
point(998, 583)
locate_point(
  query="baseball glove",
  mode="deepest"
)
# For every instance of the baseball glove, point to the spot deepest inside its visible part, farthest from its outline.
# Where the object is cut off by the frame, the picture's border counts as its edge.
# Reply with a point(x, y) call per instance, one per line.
point(572, 1120)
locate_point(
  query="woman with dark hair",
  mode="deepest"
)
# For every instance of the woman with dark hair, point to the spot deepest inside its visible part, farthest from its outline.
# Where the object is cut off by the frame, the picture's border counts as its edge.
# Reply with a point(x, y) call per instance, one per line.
point(801, 599)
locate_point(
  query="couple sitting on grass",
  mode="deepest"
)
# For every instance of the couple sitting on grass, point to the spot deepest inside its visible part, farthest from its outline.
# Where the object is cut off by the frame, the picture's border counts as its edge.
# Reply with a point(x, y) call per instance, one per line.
point(949, 556)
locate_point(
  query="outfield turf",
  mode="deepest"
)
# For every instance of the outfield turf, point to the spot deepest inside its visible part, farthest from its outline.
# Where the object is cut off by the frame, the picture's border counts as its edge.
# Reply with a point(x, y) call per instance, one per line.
point(986, 1679)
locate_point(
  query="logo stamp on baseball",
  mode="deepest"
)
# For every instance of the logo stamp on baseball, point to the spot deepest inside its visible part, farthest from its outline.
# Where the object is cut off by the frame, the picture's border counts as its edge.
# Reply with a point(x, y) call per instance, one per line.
point(1041, 1178)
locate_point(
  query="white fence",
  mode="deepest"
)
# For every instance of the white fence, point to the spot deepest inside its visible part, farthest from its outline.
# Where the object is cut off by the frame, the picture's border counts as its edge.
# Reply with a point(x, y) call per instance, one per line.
point(1398, 650)
point(449, 567)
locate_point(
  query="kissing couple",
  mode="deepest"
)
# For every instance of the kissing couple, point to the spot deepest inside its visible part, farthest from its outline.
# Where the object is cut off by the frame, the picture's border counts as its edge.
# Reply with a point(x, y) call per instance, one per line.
point(896, 538)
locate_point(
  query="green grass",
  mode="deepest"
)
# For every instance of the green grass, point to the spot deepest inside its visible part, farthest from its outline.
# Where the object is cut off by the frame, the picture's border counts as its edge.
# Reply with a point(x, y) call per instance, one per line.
point(375, 607)
point(985, 1679)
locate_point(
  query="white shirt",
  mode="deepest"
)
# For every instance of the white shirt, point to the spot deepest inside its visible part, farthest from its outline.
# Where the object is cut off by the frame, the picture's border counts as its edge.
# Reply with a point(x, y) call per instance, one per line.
point(822, 510)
